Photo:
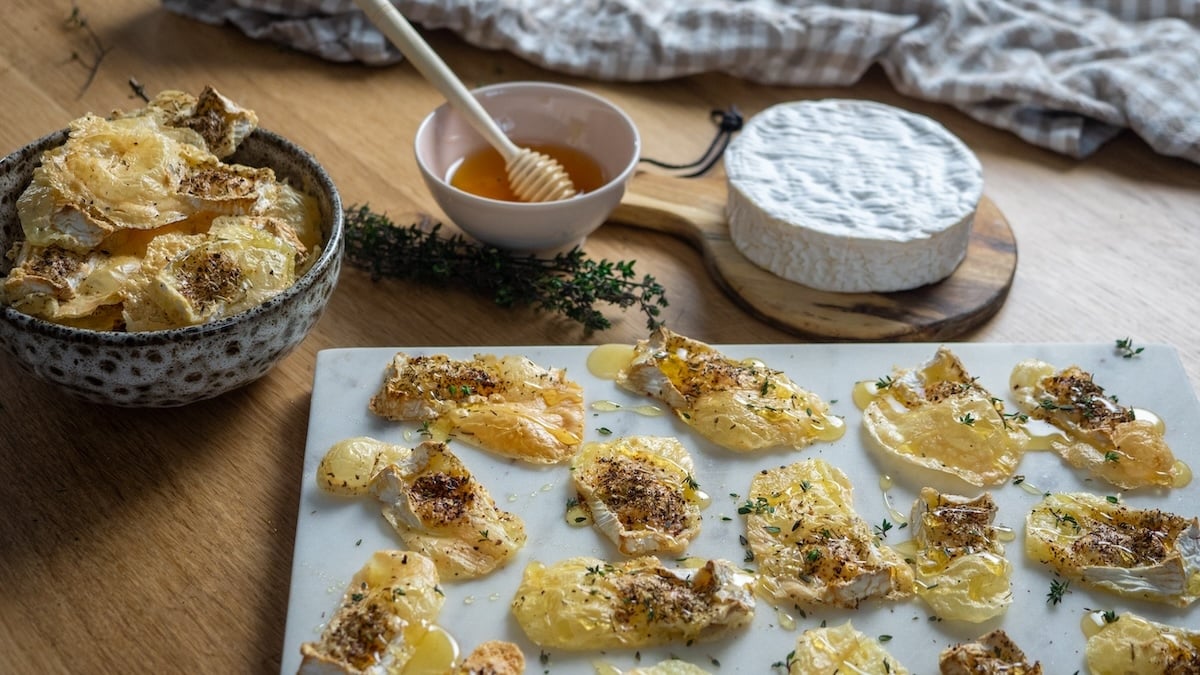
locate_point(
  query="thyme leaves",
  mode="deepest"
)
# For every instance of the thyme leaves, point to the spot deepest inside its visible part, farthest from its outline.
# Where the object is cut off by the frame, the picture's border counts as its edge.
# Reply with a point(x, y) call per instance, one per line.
point(1125, 347)
point(570, 284)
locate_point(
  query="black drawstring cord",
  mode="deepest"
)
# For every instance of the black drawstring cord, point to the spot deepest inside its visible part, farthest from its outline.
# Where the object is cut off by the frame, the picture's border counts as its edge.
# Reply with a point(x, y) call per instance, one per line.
point(728, 122)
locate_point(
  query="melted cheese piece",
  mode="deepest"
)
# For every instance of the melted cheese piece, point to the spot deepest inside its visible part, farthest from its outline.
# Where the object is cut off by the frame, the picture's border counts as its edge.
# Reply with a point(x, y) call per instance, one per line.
point(960, 568)
point(739, 405)
point(386, 625)
point(1101, 435)
point(992, 654)
point(1128, 643)
point(834, 650)
point(1141, 553)
point(507, 405)
point(585, 603)
point(640, 493)
point(430, 498)
point(387, 611)
point(851, 196)
point(810, 544)
point(440, 510)
point(349, 465)
point(938, 417)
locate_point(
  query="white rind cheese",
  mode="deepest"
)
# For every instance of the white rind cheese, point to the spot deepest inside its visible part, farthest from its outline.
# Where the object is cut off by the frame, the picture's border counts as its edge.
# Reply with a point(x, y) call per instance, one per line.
point(851, 196)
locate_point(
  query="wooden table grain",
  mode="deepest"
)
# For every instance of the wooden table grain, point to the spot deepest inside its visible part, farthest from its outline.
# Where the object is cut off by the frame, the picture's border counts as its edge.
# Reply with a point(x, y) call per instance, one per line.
point(161, 540)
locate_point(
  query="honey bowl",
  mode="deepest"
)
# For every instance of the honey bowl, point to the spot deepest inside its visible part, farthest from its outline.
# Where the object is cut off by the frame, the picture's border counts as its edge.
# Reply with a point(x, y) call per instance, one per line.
point(595, 141)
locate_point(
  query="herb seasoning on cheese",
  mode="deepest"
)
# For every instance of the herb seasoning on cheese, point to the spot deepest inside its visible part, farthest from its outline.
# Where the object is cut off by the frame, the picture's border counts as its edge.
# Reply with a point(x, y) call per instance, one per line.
point(1139, 553)
point(851, 196)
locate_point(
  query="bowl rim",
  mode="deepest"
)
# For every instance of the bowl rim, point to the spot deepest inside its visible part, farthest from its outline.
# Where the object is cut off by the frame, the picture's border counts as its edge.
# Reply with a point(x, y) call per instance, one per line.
point(620, 177)
point(330, 255)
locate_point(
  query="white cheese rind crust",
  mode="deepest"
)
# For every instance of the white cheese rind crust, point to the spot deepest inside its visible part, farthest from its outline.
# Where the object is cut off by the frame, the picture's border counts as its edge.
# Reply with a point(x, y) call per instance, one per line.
point(851, 196)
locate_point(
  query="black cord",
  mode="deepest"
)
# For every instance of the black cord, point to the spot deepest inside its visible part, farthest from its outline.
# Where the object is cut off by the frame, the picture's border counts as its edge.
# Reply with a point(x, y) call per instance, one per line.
point(728, 123)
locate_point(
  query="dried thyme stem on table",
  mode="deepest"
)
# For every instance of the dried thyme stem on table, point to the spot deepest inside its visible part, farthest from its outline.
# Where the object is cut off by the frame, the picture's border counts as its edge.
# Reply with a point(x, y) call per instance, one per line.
point(570, 284)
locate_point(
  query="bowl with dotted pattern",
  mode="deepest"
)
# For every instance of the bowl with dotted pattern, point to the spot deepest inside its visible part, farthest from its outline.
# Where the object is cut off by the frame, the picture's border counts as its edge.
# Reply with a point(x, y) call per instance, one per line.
point(169, 368)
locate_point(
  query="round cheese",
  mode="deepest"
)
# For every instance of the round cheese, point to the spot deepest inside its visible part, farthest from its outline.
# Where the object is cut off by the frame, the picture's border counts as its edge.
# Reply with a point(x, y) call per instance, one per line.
point(851, 196)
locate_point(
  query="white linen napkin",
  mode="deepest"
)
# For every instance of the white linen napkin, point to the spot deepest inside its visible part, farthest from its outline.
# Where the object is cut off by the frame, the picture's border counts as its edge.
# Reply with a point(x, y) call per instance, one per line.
point(1067, 75)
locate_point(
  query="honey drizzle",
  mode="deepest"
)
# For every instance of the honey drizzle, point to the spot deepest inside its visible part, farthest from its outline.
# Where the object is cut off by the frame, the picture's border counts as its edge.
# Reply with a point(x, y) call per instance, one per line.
point(482, 172)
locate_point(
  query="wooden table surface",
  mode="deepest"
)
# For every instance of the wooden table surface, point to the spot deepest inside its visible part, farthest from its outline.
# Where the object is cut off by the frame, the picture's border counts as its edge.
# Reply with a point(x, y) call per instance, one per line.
point(161, 540)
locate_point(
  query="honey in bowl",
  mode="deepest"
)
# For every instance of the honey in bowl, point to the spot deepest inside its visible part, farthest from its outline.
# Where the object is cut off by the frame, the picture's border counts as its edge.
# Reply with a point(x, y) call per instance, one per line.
point(482, 172)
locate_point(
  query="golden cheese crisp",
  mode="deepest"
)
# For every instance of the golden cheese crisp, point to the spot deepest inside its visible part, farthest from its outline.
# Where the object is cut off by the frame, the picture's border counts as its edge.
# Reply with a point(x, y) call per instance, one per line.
point(810, 545)
point(432, 501)
point(833, 650)
point(741, 405)
point(585, 603)
point(640, 492)
point(1141, 553)
point(507, 405)
point(1101, 435)
point(992, 654)
point(960, 568)
point(938, 417)
point(1127, 643)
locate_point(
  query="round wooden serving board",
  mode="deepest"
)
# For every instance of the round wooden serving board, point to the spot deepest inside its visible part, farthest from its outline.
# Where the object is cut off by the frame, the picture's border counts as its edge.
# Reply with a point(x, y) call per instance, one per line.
point(694, 209)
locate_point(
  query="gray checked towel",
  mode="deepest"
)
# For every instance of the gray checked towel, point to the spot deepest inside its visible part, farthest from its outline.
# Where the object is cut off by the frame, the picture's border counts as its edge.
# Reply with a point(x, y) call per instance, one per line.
point(1067, 75)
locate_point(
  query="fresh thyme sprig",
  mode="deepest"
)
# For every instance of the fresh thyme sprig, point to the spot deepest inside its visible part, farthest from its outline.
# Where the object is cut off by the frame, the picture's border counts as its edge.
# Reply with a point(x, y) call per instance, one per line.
point(570, 284)
point(77, 21)
point(1057, 590)
point(882, 529)
point(1125, 348)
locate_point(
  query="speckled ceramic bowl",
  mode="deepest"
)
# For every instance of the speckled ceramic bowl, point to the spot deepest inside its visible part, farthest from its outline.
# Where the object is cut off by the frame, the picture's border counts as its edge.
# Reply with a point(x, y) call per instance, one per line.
point(179, 366)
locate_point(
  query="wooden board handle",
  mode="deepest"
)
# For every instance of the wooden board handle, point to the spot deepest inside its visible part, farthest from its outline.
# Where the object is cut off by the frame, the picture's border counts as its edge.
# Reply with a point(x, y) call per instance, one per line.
point(694, 210)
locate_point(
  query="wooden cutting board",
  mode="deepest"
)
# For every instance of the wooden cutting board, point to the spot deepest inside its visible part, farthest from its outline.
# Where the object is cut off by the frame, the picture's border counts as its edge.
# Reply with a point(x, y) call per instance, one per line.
point(694, 209)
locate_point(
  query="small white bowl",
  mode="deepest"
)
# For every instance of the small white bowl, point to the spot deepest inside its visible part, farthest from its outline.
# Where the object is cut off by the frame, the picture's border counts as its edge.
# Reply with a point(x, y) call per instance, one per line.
point(531, 112)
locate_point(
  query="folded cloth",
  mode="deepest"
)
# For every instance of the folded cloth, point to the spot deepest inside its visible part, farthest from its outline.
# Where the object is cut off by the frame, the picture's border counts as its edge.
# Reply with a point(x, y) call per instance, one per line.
point(1067, 75)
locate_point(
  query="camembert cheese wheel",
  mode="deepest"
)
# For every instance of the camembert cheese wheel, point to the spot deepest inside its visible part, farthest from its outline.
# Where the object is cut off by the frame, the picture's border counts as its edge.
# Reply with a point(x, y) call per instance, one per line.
point(851, 196)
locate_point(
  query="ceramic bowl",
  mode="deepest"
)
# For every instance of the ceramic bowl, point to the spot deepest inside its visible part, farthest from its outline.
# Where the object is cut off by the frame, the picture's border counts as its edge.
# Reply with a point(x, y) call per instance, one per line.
point(531, 112)
point(173, 367)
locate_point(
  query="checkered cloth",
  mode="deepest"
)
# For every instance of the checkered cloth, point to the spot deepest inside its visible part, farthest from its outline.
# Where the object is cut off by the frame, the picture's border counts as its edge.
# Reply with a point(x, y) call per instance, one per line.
point(1067, 75)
